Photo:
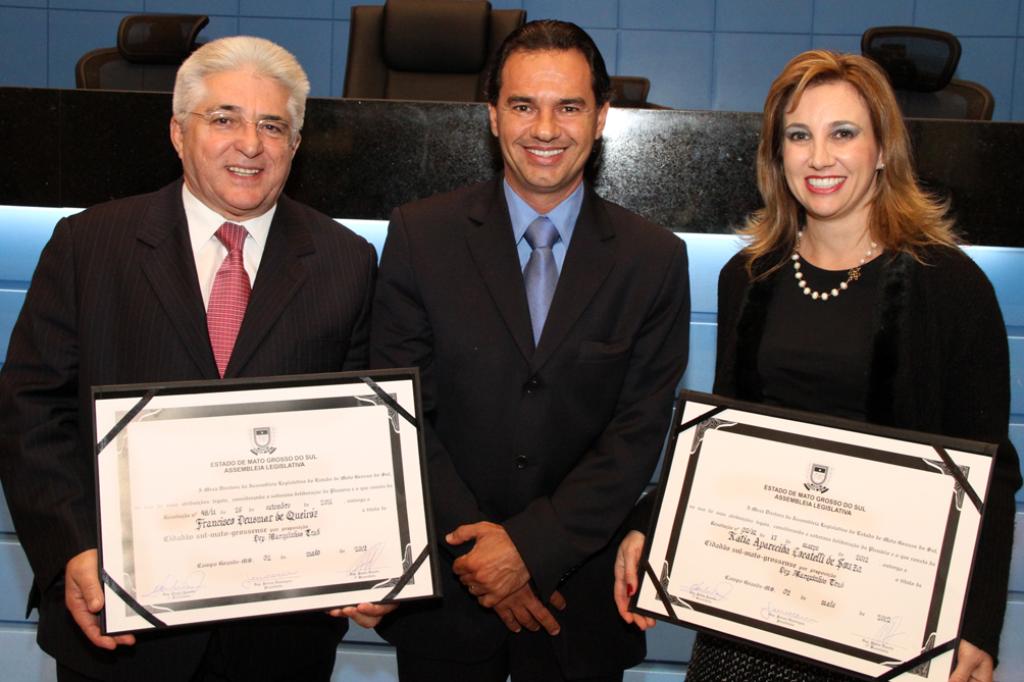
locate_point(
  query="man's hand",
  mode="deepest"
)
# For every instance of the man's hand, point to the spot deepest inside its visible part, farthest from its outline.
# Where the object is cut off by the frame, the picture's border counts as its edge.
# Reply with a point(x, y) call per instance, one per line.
point(972, 664)
point(367, 615)
point(493, 569)
point(626, 580)
point(522, 609)
point(83, 596)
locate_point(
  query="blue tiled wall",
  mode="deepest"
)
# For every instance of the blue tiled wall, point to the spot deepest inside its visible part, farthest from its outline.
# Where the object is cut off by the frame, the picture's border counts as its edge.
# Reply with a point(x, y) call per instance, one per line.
point(23, 231)
point(699, 54)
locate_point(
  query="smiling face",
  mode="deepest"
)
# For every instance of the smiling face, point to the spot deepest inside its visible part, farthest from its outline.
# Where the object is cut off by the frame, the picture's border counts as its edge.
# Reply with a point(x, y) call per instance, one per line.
point(239, 174)
point(830, 155)
point(546, 120)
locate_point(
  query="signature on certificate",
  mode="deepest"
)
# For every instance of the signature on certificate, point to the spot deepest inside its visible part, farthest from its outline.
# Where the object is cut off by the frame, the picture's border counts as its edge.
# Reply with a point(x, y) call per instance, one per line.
point(707, 592)
point(886, 637)
point(784, 616)
point(177, 587)
point(269, 581)
point(366, 564)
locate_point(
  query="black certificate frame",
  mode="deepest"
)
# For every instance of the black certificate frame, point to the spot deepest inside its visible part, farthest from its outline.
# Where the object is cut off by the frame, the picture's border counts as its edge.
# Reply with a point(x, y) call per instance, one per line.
point(710, 419)
point(411, 558)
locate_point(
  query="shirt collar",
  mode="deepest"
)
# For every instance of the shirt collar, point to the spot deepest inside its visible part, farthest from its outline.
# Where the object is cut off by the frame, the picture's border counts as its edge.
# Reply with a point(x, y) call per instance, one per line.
point(203, 221)
point(563, 216)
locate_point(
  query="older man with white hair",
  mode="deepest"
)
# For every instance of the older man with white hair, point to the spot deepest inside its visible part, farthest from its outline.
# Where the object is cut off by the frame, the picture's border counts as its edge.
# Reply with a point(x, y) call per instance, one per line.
point(216, 275)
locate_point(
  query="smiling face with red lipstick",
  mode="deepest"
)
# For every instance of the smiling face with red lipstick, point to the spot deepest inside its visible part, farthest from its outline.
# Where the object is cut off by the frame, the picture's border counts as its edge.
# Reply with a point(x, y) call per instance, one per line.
point(232, 164)
point(546, 120)
point(831, 156)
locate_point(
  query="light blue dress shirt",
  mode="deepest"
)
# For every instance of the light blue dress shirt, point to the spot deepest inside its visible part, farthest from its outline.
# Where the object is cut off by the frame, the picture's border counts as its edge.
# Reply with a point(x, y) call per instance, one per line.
point(563, 217)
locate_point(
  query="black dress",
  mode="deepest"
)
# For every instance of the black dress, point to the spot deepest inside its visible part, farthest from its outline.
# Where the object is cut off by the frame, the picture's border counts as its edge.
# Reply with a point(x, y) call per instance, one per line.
point(929, 333)
point(814, 355)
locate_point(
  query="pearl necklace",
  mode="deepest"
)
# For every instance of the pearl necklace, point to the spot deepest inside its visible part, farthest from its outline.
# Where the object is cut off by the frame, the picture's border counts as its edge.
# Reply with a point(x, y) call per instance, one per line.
point(852, 275)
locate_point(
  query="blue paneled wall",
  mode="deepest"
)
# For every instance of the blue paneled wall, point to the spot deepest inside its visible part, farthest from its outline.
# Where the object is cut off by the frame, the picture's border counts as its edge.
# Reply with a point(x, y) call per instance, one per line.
point(699, 54)
point(364, 658)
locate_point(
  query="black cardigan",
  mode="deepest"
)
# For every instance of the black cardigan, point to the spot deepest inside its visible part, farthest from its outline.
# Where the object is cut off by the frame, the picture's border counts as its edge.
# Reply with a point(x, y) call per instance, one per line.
point(940, 364)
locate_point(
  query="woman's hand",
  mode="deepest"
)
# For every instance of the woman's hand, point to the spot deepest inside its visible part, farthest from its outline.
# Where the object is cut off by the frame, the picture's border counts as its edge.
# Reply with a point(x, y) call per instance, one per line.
point(972, 664)
point(626, 562)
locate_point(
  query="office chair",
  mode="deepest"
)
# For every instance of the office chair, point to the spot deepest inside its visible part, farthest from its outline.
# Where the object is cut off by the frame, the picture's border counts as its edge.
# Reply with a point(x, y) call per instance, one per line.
point(630, 91)
point(920, 63)
point(150, 48)
point(424, 49)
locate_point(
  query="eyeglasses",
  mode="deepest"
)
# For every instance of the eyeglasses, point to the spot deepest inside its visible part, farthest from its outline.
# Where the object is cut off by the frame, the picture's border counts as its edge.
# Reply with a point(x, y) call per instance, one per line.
point(230, 122)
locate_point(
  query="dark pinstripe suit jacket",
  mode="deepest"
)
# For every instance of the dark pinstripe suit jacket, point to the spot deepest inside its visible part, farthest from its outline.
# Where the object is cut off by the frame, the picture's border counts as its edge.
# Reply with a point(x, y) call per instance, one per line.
point(115, 299)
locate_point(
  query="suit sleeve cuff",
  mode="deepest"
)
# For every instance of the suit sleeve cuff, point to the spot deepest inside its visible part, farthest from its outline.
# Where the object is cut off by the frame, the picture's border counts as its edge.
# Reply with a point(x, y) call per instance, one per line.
point(543, 545)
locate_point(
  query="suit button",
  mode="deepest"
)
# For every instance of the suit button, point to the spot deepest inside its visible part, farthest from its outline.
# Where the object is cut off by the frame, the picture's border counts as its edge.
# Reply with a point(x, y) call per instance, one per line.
point(521, 462)
point(532, 384)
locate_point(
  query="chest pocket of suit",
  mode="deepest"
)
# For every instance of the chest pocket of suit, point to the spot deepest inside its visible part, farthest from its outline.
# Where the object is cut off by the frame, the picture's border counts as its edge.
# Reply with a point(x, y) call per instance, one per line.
point(602, 351)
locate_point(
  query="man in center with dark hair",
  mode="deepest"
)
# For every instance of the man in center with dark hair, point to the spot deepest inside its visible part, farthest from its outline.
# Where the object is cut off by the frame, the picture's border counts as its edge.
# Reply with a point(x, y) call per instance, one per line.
point(551, 327)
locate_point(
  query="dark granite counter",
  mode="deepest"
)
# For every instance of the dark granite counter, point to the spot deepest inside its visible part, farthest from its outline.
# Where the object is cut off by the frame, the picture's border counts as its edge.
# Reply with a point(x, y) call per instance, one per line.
point(688, 170)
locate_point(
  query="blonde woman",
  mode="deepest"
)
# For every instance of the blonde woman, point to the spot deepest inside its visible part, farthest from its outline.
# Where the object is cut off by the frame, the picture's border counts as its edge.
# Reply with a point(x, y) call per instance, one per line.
point(852, 298)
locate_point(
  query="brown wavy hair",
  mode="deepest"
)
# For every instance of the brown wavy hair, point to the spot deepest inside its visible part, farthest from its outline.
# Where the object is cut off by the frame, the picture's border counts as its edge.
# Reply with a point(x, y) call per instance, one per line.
point(903, 216)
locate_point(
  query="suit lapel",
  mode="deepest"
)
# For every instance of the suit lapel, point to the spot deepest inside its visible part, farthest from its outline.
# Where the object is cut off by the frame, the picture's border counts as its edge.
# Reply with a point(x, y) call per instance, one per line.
point(169, 265)
point(280, 276)
point(494, 252)
point(587, 263)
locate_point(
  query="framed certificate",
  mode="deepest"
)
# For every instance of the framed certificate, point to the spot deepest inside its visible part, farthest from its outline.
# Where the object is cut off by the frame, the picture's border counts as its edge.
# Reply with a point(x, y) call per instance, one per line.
point(238, 498)
point(833, 541)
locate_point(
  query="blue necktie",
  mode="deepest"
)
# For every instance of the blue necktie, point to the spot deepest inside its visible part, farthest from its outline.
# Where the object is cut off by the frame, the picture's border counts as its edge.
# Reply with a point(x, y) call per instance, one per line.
point(540, 273)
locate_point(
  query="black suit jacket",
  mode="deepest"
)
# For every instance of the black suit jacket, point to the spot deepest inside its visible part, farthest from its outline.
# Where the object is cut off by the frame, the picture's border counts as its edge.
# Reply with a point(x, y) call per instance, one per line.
point(115, 299)
point(554, 442)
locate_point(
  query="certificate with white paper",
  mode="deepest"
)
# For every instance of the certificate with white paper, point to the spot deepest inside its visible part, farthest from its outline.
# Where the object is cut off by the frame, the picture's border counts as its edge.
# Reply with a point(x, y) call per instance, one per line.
point(836, 542)
point(231, 499)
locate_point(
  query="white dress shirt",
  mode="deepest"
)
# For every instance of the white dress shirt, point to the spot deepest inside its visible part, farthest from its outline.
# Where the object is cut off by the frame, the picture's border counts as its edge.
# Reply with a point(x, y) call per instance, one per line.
point(209, 252)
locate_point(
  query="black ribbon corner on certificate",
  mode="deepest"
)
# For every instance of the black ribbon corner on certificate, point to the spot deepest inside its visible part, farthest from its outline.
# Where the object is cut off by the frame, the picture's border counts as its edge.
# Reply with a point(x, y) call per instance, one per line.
point(125, 421)
point(958, 475)
point(698, 419)
point(390, 401)
point(407, 576)
point(135, 606)
point(666, 599)
point(924, 657)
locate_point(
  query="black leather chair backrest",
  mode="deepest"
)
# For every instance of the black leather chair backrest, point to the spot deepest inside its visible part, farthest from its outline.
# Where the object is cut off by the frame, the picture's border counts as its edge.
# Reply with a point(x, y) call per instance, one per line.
point(424, 49)
point(920, 63)
point(630, 91)
point(919, 59)
point(150, 48)
point(960, 99)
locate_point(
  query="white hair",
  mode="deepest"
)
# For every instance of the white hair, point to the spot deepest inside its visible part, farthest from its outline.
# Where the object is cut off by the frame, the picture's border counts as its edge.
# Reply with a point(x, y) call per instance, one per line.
point(267, 59)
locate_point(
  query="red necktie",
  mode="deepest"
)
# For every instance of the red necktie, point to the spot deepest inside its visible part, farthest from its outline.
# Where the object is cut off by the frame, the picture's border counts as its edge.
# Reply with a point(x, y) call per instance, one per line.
point(229, 297)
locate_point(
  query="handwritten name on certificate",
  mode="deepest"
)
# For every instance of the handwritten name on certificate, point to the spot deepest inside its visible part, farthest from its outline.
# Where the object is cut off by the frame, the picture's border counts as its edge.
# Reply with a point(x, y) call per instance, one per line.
point(239, 504)
point(799, 537)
